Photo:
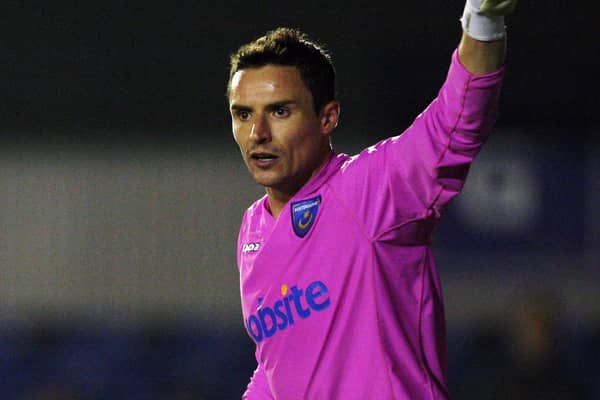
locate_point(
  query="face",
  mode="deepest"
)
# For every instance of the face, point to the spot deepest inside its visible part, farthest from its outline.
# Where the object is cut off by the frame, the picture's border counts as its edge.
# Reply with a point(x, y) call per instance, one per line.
point(282, 140)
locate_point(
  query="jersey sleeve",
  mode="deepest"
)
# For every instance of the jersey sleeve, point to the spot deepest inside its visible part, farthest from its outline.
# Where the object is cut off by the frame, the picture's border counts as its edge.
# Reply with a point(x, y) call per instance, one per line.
point(258, 388)
point(414, 176)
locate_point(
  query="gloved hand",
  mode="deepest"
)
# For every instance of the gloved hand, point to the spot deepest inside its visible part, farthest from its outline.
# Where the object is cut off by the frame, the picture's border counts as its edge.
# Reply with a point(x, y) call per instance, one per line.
point(493, 8)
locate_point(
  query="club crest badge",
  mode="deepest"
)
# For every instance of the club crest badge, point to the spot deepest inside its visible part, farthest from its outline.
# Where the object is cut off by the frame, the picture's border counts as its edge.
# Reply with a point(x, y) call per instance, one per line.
point(304, 214)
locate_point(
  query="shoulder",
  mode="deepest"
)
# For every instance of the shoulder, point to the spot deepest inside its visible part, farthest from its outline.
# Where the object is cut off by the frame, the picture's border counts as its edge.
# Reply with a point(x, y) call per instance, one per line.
point(255, 209)
point(257, 206)
point(253, 215)
point(368, 157)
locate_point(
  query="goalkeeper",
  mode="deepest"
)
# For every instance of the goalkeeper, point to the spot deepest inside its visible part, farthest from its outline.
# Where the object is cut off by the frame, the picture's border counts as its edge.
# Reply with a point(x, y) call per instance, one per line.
point(339, 289)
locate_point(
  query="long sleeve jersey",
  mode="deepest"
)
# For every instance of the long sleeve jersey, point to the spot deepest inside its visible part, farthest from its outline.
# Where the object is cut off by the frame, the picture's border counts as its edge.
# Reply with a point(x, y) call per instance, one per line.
point(340, 293)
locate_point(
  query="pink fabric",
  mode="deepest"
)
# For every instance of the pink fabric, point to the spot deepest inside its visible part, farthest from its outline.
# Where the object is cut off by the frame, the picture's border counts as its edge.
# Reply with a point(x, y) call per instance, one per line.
point(353, 309)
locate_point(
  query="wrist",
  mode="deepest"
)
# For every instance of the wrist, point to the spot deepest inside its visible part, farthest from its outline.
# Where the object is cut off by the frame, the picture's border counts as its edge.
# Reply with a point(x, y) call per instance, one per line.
point(482, 27)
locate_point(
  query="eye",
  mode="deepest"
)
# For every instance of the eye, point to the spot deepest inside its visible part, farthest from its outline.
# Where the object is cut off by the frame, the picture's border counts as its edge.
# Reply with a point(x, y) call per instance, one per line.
point(243, 115)
point(282, 112)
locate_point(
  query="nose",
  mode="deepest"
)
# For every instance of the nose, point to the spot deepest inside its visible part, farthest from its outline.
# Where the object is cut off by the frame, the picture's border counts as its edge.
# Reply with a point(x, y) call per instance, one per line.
point(261, 130)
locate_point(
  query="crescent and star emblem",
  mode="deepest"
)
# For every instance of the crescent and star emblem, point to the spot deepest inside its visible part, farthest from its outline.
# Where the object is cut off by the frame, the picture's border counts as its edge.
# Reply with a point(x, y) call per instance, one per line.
point(307, 218)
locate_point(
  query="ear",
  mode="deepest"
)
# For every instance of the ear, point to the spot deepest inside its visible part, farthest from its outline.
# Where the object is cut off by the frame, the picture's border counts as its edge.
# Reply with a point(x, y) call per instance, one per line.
point(329, 117)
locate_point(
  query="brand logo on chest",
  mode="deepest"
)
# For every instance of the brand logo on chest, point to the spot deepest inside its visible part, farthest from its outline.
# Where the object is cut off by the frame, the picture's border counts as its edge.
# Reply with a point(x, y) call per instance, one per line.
point(304, 214)
point(250, 247)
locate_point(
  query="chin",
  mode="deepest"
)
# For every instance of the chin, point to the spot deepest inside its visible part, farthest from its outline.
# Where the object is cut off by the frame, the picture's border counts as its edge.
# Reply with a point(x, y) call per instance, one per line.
point(266, 181)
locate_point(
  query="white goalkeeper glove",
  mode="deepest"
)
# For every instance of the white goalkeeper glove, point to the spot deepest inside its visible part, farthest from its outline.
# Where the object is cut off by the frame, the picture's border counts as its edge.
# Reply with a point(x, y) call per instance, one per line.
point(484, 19)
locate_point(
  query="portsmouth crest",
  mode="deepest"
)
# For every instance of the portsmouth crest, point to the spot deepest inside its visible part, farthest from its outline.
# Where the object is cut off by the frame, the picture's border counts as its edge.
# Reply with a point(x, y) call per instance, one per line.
point(304, 214)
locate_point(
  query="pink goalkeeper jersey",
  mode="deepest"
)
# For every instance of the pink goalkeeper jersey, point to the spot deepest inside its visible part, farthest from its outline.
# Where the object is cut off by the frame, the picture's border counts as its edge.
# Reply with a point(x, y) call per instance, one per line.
point(341, 293)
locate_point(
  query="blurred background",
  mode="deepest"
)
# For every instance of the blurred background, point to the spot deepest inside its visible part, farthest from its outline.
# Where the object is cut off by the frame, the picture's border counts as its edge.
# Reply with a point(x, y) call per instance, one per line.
point(121, 193)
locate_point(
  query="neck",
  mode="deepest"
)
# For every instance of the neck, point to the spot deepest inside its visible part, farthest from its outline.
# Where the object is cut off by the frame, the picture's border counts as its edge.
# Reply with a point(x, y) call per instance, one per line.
point(279, 196)
point(277, 200)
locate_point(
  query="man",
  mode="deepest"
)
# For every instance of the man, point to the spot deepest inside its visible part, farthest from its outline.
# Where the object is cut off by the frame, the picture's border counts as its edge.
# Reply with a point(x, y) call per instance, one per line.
point(339, 289)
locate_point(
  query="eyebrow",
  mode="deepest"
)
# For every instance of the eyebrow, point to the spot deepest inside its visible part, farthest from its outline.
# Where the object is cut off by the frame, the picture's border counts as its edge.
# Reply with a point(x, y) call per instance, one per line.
point(270, 106)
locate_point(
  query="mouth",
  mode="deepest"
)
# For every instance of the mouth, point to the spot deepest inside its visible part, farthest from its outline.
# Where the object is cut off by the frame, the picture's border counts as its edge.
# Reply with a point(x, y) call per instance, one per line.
point(263, 159)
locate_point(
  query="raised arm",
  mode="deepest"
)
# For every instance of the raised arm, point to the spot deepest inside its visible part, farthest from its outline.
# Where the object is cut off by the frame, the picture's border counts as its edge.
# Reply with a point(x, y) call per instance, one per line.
point(415, 175)
point(483, 44)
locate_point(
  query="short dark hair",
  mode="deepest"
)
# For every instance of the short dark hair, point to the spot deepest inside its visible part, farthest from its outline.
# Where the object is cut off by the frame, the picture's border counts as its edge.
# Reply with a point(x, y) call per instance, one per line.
point(290, 47)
